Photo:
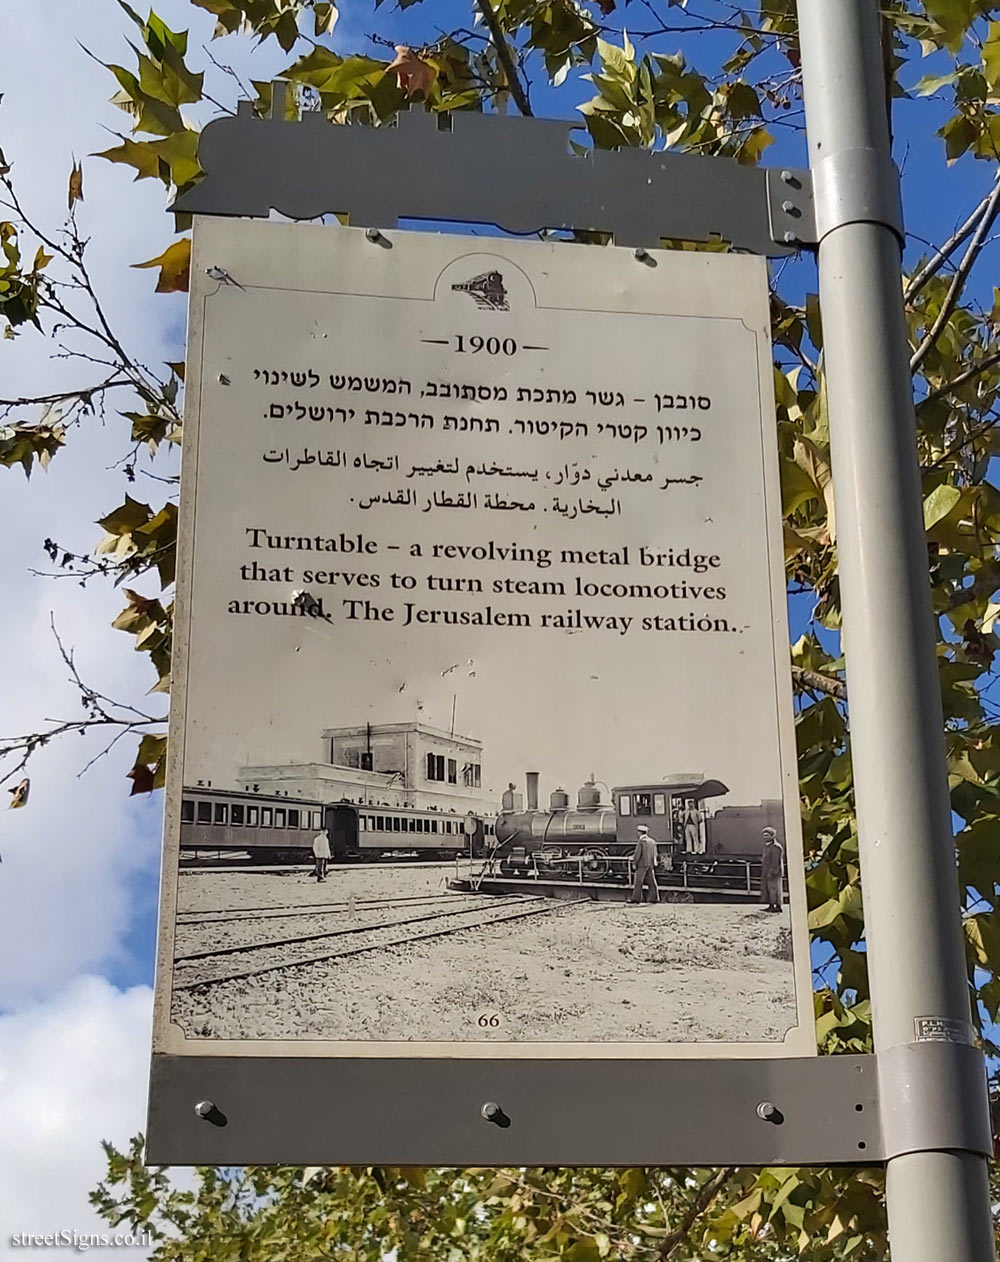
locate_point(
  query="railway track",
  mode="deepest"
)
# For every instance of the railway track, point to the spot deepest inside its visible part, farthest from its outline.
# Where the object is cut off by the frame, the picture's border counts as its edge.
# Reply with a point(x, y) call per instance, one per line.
point(257, 961)
point(225, 916)
point(213, 940)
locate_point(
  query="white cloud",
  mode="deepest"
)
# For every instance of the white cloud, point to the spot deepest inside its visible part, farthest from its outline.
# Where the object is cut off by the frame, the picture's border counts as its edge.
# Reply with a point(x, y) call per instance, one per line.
point(71, 859)
point(72, 1071)
point(74, 1053)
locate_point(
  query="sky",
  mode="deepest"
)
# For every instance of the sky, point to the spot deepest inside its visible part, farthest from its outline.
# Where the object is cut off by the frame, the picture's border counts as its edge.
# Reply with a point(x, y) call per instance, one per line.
point(79, 865)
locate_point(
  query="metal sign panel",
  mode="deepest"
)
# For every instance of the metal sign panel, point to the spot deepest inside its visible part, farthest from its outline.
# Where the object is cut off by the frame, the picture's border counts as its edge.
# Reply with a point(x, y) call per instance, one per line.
point(481, 740)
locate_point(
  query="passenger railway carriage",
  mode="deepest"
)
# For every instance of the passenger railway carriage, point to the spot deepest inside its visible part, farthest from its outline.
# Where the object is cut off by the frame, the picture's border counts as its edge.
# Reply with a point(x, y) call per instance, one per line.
point(281, 830)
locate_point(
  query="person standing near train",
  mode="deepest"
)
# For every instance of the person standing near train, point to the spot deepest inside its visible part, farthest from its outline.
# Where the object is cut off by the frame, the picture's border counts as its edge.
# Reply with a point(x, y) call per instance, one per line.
point(644, 860)
point(321, 854)
point(772, 866)
point(691, 819)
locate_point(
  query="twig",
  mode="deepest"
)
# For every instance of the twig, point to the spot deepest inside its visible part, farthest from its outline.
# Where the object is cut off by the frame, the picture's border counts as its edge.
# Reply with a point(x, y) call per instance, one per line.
point(101, 711)
point(969, 438)
point(505, 58)
point(970, 373)
point(706, 1195)
point(985, 585)
point(935, 264)
point(812, 680)
point(959, 279)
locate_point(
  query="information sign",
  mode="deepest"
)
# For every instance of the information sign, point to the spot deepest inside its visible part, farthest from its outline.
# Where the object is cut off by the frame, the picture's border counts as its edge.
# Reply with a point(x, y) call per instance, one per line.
point(481, 740)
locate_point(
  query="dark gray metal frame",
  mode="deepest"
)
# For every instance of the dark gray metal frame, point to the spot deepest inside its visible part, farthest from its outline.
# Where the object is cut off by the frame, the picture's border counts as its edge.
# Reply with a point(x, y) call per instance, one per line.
point(517, 173)
point(521, 175)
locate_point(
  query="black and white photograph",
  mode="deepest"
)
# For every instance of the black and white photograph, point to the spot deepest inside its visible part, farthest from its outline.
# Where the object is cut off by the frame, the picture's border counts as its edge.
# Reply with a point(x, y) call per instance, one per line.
point(484, 728)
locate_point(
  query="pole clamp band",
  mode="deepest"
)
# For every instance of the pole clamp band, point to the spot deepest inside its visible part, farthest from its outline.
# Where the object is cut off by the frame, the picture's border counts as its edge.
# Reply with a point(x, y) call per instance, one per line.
point(856, 186)
point(933, 1097)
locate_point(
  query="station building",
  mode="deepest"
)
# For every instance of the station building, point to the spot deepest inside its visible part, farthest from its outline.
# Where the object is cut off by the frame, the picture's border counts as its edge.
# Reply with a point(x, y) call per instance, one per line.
point(385, 764)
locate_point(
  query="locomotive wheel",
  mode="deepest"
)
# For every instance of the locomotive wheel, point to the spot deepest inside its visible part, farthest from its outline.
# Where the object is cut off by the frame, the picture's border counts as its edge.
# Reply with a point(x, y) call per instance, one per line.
point(596, 864)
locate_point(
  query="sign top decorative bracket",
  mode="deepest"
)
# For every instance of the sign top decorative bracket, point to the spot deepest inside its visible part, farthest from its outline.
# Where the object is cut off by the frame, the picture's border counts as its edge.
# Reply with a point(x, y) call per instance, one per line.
point(519, 174)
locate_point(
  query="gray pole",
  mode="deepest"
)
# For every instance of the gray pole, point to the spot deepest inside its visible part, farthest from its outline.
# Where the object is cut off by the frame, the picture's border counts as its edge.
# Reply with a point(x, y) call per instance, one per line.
point(938, 1200)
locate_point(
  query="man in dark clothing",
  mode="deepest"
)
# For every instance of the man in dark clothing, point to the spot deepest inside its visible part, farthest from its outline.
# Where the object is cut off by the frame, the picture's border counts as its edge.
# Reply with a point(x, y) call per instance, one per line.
point(772, 863)
point(644, 860)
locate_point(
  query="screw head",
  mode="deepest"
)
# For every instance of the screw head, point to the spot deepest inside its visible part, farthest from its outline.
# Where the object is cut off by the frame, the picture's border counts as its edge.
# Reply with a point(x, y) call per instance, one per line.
point(787, 177)
point(789, 238)
point(373, 234)
point(787, 207)
point(766, 1111)
point(205, 1108)
point(491, 1111)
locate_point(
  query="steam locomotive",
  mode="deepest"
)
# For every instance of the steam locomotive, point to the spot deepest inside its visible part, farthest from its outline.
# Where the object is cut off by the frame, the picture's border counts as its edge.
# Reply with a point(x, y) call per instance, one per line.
point(595, 840)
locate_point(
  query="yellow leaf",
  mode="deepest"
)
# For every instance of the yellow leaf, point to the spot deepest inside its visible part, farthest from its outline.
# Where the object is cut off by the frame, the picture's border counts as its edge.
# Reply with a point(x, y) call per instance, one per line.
point(816, 465)
point(75, 184)
point(175, 267)
point(19, 793)
point(325, 15)
point(412, 74)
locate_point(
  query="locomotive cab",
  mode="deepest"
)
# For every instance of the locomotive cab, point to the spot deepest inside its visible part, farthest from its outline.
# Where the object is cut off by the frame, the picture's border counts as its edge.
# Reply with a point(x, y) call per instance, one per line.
point(674, 811)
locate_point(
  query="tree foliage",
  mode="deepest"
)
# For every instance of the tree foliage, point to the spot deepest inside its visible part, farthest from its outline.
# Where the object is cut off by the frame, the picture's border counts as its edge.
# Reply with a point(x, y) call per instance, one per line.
point(703, 77)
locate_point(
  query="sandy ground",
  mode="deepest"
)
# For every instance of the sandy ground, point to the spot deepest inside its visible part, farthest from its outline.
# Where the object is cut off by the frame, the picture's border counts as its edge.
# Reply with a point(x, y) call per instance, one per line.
point(672, 972)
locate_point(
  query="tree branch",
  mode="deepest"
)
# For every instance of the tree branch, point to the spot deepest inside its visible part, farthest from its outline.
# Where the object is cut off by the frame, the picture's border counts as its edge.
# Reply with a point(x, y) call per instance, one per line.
point(985, 585)
point(970, 374)
point(934, 265)
point(959, 279)
point(706, 1194)
point(99, 711)
point(812, 681)
point(505, 57)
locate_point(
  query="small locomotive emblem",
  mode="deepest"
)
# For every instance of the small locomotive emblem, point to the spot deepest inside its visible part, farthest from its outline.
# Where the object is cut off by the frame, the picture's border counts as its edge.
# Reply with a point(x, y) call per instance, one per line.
point(487, 290)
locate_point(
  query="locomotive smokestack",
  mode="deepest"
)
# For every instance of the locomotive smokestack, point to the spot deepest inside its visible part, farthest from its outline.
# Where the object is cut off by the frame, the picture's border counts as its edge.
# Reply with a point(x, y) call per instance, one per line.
point(531, 778)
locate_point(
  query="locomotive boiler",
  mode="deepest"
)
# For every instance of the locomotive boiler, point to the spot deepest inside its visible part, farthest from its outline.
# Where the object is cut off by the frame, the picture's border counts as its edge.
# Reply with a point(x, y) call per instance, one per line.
point(592, 821)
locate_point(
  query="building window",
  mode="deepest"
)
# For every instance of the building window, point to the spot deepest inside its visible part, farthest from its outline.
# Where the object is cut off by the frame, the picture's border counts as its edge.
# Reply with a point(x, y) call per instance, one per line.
point(187, 811)
point(435, 767)
point(266, 817)
point(221, 813)
point(452, 771)
point(434, 825)
point(236, 815)
point(204, 812)
point(625, 804)
point(253, 813)
point(279, 817)
point(293, 818)
point(471, 775)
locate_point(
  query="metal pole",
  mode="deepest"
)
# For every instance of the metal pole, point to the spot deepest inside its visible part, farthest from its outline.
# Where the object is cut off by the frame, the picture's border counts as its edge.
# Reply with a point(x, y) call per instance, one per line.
point(938, 1201)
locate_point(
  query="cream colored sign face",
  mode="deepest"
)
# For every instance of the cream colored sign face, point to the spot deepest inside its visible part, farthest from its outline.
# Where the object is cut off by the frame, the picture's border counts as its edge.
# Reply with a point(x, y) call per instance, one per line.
point(482, 739)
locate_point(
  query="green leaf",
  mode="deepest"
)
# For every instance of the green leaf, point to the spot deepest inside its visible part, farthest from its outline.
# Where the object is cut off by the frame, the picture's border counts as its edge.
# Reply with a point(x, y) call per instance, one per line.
point(932, 83)
point(954, 17)
point(991, 57)
point(137, 154)
point(125, 519)
point(939, 503)
point(175, 267)
point(325, 15)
